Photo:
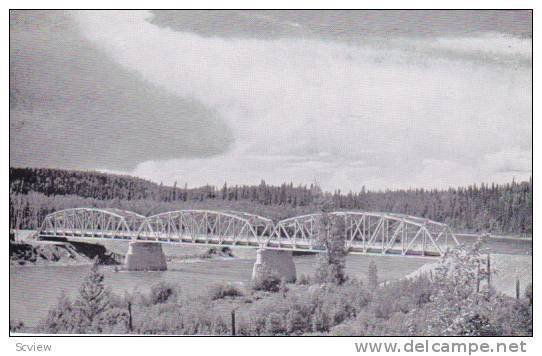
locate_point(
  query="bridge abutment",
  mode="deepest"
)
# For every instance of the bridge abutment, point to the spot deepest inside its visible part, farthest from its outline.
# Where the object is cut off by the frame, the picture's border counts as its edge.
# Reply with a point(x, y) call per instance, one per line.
point(280, 263)
point(145, 256)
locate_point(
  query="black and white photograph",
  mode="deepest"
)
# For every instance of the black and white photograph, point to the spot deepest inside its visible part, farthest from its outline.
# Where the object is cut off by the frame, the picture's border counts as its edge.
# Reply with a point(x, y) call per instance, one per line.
point(302, 172)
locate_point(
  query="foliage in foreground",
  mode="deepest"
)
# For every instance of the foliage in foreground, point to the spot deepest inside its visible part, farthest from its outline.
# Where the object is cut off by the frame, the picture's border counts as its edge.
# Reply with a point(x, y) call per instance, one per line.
point(331, 264)
point(267, 281)
point(223, 290)
point(450, 301)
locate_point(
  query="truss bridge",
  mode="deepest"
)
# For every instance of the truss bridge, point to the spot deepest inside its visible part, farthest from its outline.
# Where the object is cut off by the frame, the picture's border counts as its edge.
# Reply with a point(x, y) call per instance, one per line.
point(361, 232)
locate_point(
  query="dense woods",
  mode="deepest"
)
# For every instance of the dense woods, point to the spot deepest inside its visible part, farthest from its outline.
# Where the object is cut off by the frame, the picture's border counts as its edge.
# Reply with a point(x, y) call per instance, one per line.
point(488, 207)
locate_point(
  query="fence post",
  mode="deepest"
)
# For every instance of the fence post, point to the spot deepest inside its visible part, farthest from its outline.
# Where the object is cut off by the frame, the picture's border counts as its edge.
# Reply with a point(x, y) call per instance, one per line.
point(130, 325)
point(233, 322)
point(478, 278)
point(488, 271)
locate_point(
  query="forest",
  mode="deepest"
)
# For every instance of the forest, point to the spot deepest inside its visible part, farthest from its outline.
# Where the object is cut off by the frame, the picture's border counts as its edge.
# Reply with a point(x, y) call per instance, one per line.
point(493, 208)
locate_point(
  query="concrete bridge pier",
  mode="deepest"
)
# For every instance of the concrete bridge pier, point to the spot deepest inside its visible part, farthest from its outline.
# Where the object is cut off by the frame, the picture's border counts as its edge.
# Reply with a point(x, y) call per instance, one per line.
point(280, 263)
point(145, 256)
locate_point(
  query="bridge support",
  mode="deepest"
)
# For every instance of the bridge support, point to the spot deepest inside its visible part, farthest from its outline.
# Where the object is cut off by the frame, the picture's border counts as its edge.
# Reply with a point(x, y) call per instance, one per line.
point(145, 256)
point(280, 263)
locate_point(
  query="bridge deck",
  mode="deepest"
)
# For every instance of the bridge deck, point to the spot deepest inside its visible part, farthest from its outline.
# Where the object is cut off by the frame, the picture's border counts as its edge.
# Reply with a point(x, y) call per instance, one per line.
point(250, 242)
point(363, 232)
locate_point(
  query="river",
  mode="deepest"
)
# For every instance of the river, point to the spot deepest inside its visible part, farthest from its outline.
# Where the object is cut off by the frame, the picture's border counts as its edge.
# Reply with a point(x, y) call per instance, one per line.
point(35, 289)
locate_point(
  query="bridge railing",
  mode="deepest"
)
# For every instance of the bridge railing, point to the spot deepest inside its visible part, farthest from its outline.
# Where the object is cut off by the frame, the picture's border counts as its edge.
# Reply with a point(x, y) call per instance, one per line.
point(366, 232)
point(90, 222)
point(363, 232)
point(206, 226)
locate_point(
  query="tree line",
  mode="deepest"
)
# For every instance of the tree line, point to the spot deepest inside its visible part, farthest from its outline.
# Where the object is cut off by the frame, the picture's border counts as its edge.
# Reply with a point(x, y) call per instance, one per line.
point(495, 208)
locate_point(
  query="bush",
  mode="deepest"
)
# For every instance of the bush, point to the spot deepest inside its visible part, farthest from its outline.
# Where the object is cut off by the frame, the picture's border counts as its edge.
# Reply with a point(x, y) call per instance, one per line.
point(303, 280)
point(211, 251)
point(64, 318)
point(345, 329)
point(214, 251)
point(219, 326)
point(512, 317)
point(16, 326)
point(529, 293)
point(222, 290)
point(268, 282)
point(243, 327)
point(372, 275)
point(114, 320)
point(274, 324)
point(161, 293)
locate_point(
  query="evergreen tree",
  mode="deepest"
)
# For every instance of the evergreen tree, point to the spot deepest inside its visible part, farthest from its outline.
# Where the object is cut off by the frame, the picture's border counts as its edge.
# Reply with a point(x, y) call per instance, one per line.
point(331, 263)
point(500, 209)
point(372, 275)
point(93, 298)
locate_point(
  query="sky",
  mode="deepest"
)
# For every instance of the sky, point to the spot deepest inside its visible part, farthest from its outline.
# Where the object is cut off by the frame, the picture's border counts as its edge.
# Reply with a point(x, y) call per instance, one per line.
point(381, 99)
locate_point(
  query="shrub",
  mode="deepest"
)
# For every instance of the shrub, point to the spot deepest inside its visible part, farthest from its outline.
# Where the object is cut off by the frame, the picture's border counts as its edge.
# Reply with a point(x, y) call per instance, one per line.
point(303, 280)
point(84, 315)
point(16, 325)
point(529, 293)
point(243, 327)
point(213, 251)
point(269, 282)
point(513, 317)
point(161, 293)
point(219, 326)
point(222, 290)
point(345, 329)
point(299, 312)
point(321, 320)
point(372, 275)
point(226, 251)
point(114, 320)
point(274, 324)
point(63, 318)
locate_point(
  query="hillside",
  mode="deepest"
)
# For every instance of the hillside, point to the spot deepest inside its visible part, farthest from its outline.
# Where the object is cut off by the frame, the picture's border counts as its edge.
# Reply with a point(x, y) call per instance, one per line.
point(489, 207)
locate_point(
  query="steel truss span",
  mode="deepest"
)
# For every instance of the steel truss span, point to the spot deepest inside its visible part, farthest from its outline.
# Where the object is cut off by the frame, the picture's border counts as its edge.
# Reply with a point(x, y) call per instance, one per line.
point(91, 222)
point(363, 232)
point(208, 227)
point(370, 232)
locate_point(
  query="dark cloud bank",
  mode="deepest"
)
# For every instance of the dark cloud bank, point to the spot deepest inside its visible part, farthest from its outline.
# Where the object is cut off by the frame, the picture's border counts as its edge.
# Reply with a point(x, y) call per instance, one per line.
point(73, 107)
point(101, 104)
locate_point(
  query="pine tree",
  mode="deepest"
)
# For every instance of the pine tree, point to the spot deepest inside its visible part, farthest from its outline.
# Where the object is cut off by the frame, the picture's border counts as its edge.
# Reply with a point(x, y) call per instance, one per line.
point(372, 275)
point(332, 262)
point(93, 298)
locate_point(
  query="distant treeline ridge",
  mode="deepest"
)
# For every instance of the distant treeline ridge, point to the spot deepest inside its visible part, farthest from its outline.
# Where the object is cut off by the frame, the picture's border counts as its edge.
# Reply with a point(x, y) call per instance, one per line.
point(496, 208)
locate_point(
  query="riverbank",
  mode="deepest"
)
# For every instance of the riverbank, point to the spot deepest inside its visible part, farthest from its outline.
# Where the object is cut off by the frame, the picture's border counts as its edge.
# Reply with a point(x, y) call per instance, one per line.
point(506, 270)
point(33, 291)
point(63, 253)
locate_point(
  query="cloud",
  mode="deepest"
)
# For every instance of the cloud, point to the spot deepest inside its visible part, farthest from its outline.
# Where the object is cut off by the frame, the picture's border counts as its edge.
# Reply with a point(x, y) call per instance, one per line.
point(384, 114)
point(71, 106)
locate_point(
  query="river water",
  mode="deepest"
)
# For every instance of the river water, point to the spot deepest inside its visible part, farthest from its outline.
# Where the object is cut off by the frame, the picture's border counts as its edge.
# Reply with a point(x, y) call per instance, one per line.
point(35, 289)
